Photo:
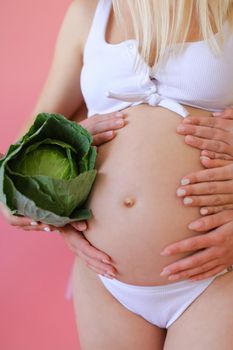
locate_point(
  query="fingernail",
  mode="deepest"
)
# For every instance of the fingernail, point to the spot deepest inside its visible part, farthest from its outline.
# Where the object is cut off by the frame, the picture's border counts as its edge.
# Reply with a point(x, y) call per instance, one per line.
point(108, 276)
point(59, 232)
point(187, 200)
point(187, 121)
point(119, 114)
point(47, 229)
point(217, 114)
point(185, 182)
point(165, 252)
point(173, 277)
point(83, 226)
point(165, 272)
point(180, 192)
point(111, 274)
point(105, 261)
point(119, 122)
point(181, 128)
point(34, 223)
point(109, 133)
point(204, 158)
point(194, 225)
point(204, 211)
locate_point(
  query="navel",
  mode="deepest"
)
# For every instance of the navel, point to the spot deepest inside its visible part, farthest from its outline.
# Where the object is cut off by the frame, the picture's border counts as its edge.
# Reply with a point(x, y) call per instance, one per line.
point(129, 202)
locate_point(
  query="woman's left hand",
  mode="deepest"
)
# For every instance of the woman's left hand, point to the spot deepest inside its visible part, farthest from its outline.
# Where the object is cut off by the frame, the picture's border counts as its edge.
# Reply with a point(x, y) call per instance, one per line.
point(213, 253)
point(212, 135)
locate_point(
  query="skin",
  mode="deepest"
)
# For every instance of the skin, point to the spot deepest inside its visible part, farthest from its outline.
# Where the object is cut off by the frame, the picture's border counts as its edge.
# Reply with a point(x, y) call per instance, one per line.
point(117, 328)
point(212, 191)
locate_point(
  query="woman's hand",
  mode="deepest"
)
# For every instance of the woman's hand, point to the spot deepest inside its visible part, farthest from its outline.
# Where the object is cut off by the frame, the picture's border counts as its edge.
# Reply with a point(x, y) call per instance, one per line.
point(102, 127)
point(213, 252)
point(209, 189)
point(95, 259)
point(212, 135)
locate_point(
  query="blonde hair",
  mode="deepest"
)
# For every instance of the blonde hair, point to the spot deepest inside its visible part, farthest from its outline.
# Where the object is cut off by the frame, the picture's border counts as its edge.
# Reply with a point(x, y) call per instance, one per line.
point(159, 24)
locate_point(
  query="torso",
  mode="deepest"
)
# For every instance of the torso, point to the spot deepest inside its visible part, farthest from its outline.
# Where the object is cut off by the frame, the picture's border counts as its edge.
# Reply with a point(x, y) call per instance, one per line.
point(135, 209)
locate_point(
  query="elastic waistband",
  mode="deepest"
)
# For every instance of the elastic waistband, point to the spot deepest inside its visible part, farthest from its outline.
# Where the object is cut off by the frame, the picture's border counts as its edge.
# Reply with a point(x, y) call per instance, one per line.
point(161, 288)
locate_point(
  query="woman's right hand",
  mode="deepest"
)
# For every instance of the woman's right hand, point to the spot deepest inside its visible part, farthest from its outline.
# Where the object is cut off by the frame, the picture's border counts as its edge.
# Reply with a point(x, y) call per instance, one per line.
point(95, 259)
point(102, 126)
point(98, 261)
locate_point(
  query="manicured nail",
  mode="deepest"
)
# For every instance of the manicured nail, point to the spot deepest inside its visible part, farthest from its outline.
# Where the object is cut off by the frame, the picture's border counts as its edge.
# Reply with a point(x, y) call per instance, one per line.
point(106, 261)
point(47, 229)
point(187, 200)
point(109, 133)
point(119, 114)
point(187, 121)
point(108, 276)
point(173, 277)
point(185, 182)
point(180, 128)
point(204, 211)
point(165, 252)
point(111, 274)
point(165, 272)
point(180, 192)
point(119, 122)
point(204, 158)
point(33, 223)
point(195, 225)
point(82, 226)
point(217, 114)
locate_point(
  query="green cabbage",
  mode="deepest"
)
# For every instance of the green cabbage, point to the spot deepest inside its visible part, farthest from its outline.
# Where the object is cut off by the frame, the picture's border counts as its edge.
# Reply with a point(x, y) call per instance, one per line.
point(48, 174)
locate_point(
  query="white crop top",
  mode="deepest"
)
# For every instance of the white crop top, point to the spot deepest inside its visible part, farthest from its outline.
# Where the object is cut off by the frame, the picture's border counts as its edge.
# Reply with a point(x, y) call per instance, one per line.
point(196, 77)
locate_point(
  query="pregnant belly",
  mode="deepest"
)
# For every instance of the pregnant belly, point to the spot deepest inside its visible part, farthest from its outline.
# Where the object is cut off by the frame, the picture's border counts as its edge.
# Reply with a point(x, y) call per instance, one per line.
point(135, 209)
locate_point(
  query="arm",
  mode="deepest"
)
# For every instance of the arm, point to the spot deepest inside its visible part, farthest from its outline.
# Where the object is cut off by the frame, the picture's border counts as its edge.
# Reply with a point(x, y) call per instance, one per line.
point(62, 94)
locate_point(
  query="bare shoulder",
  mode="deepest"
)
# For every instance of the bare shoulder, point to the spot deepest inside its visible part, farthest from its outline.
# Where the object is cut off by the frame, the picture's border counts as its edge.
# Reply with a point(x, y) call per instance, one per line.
point(81, 13)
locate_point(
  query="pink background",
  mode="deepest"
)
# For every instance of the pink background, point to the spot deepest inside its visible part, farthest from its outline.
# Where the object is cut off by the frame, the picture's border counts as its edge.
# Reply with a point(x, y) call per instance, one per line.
point(34, 266)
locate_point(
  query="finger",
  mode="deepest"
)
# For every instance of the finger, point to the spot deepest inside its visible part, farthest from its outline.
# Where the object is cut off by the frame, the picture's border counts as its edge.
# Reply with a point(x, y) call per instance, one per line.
point(214, 163)
point(218, 123)
point(204, 188)
point(207, 274)
point(205, 132)
point(102, 117)
point(100, 271)
point(77, 242)
point(216, 174)
point(209, 222)
point(99, 124)
point(38, 227)
point(211, 145)
point(214, 210)
point(215, 155)
point(208, 200)
point(192, 261)
point(99, 139)
point(192, 270)
point(226, 114)
point(192, 244)
point(100, 266)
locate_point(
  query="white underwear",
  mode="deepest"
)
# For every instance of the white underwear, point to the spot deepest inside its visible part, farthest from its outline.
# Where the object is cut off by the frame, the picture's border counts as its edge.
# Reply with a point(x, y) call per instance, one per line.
point(160, 305)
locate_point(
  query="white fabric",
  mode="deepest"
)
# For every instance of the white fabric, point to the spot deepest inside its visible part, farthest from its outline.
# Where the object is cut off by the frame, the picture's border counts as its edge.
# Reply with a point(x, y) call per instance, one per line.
point(197, 78)
point(159, 305)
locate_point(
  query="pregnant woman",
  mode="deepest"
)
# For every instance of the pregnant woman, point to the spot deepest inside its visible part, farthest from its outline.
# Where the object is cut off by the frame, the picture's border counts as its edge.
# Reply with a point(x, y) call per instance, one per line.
point(136, 212)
